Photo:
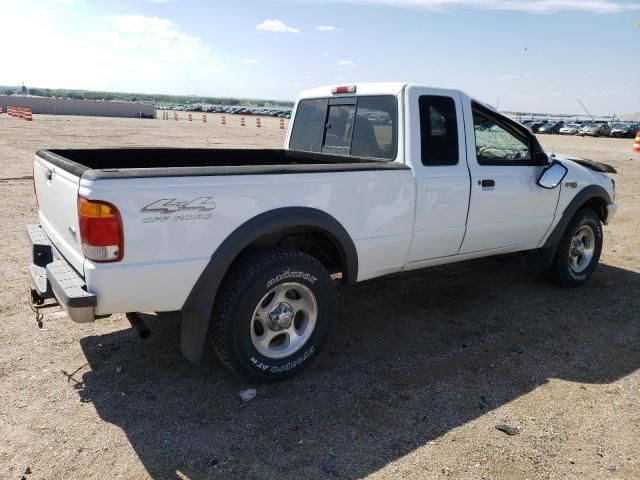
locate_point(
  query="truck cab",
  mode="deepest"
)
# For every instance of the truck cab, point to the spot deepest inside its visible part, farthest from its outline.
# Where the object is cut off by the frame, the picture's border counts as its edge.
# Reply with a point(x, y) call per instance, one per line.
point(476, 171)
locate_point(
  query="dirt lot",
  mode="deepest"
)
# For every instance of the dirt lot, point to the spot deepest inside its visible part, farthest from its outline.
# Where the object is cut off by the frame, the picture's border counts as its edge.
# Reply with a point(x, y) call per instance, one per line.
point(417, 374)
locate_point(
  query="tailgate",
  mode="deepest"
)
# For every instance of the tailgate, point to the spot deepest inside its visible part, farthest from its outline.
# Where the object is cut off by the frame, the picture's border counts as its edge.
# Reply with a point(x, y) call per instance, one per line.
point(57, 192)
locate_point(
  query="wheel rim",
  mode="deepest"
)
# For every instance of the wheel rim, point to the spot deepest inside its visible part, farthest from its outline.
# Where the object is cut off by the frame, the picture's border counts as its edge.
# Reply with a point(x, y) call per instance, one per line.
point(582, 248)
point(283, 320)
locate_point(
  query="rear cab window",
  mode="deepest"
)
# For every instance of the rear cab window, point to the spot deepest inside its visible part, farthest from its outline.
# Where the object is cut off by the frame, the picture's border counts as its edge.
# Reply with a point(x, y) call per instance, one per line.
point(358, 126)
point(438, 131)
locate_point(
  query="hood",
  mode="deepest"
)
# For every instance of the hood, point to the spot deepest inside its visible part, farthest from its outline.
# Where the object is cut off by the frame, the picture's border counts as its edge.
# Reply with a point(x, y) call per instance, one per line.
point(590, 164)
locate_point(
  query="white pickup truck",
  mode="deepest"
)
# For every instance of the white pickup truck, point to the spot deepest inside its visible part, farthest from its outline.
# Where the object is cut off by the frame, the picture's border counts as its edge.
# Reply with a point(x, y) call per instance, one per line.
point(250, 245)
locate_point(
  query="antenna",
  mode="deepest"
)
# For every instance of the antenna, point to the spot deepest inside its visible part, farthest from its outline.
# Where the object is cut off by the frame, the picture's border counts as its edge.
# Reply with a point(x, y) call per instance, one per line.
point(585, 109)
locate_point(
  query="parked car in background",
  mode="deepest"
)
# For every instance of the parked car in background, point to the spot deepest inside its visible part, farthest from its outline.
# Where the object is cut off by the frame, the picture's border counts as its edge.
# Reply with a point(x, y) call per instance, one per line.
point(621, 130)
point(570, 129)
point(595, 130)
point(551, 127)
point(535, 126)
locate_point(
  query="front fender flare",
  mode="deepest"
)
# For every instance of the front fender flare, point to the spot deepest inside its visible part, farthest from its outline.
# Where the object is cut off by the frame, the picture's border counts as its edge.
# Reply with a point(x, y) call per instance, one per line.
point(541, 258)
point(196, 311)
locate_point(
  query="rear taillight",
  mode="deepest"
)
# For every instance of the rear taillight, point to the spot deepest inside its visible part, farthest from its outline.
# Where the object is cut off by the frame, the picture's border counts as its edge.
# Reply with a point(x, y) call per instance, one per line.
point(100, 230)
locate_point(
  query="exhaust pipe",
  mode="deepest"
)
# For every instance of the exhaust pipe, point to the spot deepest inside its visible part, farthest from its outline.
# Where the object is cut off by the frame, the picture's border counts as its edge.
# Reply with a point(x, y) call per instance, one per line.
point(138, 325)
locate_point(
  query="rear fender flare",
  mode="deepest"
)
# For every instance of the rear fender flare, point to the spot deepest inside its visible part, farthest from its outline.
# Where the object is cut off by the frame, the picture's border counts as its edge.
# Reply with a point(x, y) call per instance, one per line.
point(196, 311)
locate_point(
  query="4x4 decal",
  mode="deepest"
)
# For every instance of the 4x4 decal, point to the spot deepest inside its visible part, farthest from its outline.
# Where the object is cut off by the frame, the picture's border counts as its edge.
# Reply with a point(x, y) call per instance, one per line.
point(171, 205)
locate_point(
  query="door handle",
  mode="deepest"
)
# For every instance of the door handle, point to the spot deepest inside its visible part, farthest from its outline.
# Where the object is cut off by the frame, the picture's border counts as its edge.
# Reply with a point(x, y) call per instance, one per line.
point(487, 183)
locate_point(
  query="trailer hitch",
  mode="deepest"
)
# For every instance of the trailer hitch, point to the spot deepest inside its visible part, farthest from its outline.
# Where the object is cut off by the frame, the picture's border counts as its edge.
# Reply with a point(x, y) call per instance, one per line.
point(37, 303)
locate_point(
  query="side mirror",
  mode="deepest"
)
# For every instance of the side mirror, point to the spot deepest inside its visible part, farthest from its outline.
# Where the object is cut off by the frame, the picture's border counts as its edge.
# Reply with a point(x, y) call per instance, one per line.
point(552, 175)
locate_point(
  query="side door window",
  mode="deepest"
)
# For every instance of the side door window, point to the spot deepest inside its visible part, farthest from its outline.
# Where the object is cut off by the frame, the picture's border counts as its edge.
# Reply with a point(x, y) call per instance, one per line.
point(498, 142)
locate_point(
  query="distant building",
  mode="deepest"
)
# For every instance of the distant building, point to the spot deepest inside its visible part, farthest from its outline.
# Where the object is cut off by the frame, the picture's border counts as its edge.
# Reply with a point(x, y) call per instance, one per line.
point(69, 106)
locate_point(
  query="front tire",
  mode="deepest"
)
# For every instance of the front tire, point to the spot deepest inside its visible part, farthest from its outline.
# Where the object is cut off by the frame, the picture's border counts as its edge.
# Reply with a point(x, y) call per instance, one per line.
point(579, 250)
point(272, 314)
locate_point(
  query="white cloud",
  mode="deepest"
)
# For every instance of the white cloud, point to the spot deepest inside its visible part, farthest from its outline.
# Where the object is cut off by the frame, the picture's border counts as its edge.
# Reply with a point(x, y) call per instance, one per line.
point(276, 26)
point(154, 39)
point(250, 61)
point(326, 28)
point(513, 76)
point(531, 6)
point(346, 63)
point(117, 52)
point(325, 54)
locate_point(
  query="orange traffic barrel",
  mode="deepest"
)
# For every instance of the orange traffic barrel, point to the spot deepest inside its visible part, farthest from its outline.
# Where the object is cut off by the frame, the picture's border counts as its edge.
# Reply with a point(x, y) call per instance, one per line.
point(258, 122)
point(223, 120)
point(204, 118)
point(636, 144)
point(27, 114)
point(282, 124)
point(242, 124)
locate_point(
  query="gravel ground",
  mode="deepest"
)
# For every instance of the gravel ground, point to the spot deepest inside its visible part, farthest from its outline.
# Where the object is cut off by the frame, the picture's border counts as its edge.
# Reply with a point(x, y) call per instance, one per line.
point(419, 370)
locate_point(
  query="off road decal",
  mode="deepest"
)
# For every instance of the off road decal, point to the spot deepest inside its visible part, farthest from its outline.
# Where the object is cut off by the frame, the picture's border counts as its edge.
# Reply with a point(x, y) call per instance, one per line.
point(288, 274)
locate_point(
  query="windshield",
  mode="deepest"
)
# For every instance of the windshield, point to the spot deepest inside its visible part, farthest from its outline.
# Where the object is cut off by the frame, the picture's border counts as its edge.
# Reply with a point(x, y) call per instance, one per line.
point(364, 126)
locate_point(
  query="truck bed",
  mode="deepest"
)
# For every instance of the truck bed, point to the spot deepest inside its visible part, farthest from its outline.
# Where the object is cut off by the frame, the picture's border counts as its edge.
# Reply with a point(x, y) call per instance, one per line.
point(169, 162)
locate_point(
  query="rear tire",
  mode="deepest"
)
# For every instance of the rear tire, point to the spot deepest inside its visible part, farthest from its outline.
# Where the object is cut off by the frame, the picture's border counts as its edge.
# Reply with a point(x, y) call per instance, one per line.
point(272, 314)
point(579, 250)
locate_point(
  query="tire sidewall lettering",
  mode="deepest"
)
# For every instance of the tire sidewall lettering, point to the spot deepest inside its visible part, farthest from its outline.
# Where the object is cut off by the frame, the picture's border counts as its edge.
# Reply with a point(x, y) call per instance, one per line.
point(289, 275)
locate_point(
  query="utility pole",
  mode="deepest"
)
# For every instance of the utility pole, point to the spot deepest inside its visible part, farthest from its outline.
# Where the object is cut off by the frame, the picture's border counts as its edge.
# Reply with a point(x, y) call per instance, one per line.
point(585, 109)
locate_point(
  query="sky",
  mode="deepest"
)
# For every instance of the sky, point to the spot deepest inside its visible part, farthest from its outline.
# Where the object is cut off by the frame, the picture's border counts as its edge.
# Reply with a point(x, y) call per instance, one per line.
point(528, 55)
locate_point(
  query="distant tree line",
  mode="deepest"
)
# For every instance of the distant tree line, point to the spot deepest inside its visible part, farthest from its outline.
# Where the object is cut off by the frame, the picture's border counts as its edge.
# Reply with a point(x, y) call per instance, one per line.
point(144, 97)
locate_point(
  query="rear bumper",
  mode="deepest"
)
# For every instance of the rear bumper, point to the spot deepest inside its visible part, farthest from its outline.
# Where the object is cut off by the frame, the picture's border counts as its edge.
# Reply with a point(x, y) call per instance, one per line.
point(52, 276)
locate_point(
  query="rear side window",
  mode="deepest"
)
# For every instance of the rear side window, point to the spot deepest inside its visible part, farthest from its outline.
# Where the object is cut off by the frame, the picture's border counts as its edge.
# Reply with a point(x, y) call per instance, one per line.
point(438, 130)
point(308, 127)
point(358, 126)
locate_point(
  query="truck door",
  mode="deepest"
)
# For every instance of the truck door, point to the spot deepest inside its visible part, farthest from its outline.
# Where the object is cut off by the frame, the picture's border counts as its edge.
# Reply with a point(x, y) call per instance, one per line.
point(437, 155)
point(507, 206)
